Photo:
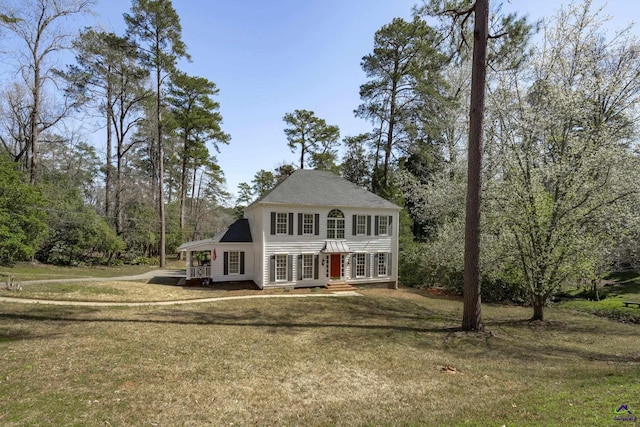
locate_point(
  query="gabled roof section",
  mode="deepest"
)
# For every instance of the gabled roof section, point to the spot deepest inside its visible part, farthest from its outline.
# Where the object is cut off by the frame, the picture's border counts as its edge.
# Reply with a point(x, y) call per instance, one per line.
point(238, 232)
point(312, 187)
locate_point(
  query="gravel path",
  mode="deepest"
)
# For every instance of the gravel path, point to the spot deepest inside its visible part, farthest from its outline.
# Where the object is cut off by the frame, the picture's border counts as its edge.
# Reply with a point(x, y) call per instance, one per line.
point(144, 276)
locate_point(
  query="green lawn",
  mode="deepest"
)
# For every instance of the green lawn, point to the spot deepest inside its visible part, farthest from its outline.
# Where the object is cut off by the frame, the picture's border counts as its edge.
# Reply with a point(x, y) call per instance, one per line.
point(36, 271)
point(371, 360)
point(619, 287)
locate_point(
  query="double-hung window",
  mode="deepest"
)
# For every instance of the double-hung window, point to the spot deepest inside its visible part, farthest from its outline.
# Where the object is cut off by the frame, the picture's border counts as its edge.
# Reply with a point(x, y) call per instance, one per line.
point(383, 225)
point(307, 266)
point(281, 223)
point(233, 264)
point(382, 264)
point(361, 265)
point(307, 224)
point(281, 268)
point(361, 225)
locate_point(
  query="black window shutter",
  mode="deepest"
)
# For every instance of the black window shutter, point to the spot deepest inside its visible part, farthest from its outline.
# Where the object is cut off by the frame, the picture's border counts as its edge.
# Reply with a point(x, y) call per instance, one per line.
point(272, 268)
point(389, 226)
point(273, 223)
point(315, 267)
point(299, 267)
point(290, 268)
point(291, 223)
point(375, 265)
point(241, 262)
point(389, 264)
point(226, 263)
point(299, 224)
point(355, 220)
point(367, 264)
point(375, 226)
point(353, 266)
point(368, 225)
point(316, 221)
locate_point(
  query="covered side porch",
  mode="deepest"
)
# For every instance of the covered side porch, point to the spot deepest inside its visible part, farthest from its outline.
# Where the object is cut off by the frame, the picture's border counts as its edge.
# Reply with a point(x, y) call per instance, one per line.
point(199, 256)
point(226, 257)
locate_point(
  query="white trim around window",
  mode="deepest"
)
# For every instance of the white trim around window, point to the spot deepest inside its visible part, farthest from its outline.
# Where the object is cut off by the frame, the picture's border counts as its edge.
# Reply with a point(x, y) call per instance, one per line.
point(383, 225)
point(381, 267)
point(361, 225)
point(307, 267)
point(281, 267)
point(233, 264)
point(282, 223)
point(360, 262)
point(308, 224)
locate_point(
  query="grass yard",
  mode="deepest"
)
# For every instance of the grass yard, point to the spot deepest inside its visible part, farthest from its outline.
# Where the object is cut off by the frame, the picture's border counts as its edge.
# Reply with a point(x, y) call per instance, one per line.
point(36, 271)
point(619, 287)
point(371, 360)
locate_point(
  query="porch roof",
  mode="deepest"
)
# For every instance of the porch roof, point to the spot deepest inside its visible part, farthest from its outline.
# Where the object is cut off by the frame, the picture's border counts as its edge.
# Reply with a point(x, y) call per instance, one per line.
point(238, 232)
point(197, 245)
point(336, 247)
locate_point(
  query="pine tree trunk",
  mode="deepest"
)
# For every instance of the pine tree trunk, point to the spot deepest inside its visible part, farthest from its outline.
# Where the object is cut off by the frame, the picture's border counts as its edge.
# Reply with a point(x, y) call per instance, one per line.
point(472, 316)
point(107, 175)
point(33, 125)
point(161, 212)
point(118, 195)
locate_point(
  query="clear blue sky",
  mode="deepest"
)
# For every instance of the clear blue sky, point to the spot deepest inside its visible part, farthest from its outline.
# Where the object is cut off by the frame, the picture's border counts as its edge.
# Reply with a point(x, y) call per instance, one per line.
point(270, 57)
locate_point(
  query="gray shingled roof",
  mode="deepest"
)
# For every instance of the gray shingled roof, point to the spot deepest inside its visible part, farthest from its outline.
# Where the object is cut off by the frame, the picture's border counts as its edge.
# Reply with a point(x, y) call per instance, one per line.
point(311, 187)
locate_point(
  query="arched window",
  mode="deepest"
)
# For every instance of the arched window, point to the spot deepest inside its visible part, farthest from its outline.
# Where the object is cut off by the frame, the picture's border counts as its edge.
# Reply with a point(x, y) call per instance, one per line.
point(335, 225)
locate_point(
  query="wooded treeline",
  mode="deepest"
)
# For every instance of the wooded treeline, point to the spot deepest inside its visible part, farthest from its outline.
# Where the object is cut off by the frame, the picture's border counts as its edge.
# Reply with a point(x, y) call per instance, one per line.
point(157, 183)
point(560, 160)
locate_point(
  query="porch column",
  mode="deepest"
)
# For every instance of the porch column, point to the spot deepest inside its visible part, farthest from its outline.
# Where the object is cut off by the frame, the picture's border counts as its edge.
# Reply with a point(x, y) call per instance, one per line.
point(188, 265)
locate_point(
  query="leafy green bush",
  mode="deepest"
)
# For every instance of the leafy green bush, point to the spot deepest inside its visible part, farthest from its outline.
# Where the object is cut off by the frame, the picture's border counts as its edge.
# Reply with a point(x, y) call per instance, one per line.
point(22, 219)
point(142, 261)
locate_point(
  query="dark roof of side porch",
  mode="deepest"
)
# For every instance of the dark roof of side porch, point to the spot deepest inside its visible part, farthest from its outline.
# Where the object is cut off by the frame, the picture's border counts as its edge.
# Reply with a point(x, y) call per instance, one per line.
point(238, 232)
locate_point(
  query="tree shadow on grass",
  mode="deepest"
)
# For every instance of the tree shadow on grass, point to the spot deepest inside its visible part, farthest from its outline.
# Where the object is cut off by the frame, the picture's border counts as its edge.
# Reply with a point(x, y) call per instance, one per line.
point(355, 321)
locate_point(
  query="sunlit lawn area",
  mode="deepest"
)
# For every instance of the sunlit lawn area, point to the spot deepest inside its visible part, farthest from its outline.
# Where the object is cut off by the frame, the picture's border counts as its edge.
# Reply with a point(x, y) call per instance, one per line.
point(37, 271)
point(620, 287)
point(372, 360)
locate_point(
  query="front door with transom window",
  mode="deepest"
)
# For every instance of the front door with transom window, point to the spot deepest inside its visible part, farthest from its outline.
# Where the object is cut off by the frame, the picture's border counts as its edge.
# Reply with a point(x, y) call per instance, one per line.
point(335, 266)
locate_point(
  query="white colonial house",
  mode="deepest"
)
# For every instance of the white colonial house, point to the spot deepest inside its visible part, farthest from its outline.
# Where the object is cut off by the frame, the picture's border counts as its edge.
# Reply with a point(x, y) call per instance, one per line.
point(312, 229)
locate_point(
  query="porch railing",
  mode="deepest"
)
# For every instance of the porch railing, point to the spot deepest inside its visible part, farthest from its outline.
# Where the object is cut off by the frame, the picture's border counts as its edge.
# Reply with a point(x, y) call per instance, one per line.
point(200, 271)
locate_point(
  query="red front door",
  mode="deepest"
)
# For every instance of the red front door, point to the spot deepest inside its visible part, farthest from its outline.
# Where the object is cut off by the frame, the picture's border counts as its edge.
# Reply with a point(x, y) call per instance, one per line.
point(335, 266)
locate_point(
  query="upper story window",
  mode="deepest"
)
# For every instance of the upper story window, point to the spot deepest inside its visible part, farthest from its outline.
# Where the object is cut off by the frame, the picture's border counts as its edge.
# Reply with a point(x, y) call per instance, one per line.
point(307, 224)
point(335, 225)
point(383, 225)
point(281, 223)
point(361, 225)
